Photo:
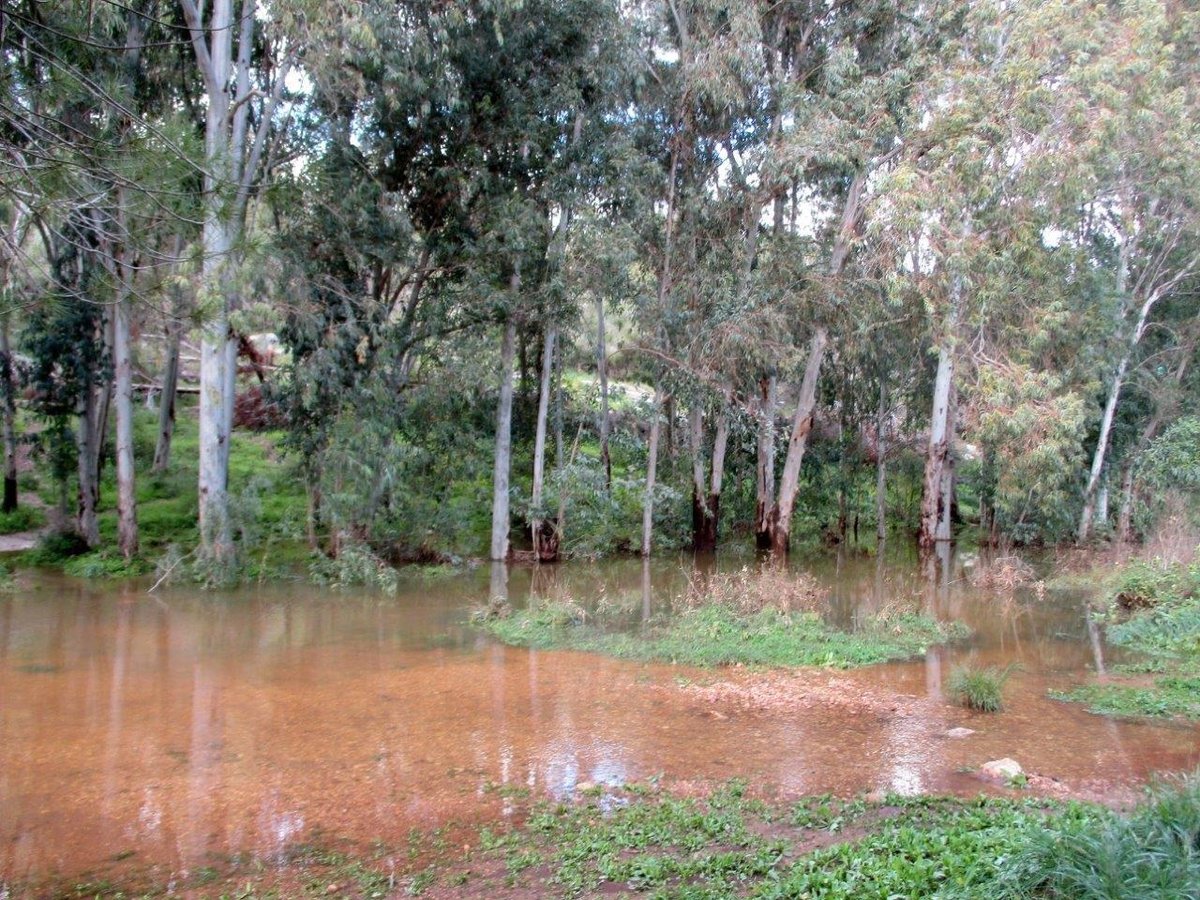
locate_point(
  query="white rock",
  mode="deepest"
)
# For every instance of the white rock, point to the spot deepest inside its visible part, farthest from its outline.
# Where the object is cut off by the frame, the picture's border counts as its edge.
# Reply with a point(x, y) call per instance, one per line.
point(1001, 769)
point(960, 732)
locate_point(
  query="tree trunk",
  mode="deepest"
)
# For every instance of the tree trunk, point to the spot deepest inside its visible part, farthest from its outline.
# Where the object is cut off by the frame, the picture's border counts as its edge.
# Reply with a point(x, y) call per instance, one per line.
point(881, 466)
point(765, 477)
point(127, 527)
point(8, 386)
point(933, 488)
point(651, 472)
point(503, 458)
point(88, 496)
point(1088, 514)
point(703, 526)
point(544, 534)
point(1125, 514)
point(602, 373)
point(166, 404)
point(947, 504)
point(780, 517)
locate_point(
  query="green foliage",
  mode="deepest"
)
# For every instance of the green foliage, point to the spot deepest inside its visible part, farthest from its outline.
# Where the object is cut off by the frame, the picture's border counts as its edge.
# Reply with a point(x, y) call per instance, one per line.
point(355, 565)
point(976, 688)
point(105, 564)
point(1152, 854)
point(716, 635)
point(1154, 610)
point(55, 548)
point(23, 518)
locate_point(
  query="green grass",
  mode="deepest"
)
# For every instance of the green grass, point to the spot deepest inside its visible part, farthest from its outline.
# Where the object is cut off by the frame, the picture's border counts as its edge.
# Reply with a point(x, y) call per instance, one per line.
point(23, 518)
point(981, 689)
point(1153, 609)
point(714, 635)
point(1169, 697)
point(267, 506)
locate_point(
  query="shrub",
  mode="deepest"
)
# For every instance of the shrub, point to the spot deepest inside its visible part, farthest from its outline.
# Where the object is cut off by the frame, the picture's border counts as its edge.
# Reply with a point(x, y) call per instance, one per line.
point(57, 546)
point(355, 565)
point(980, 689)
point(751, 590)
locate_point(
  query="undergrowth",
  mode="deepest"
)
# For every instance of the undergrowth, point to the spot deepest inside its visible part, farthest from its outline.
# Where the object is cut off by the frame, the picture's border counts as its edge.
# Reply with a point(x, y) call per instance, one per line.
point(979, 688)
point(1152, 609)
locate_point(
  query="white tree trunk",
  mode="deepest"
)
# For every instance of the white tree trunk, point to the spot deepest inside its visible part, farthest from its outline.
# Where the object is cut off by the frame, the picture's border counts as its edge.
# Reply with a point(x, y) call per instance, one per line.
point(765, 474)
point(1088, 514)
point(939, 442)
point(602, 373)
point(127, 527)
point(503, 457)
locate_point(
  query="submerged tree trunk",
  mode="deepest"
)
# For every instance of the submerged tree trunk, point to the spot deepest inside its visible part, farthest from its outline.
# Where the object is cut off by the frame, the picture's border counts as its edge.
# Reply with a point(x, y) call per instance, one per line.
point(503, 459)
point(765, 475)
point(651, 472)
point(779, 520)
point(544, 533)
point(602, 373)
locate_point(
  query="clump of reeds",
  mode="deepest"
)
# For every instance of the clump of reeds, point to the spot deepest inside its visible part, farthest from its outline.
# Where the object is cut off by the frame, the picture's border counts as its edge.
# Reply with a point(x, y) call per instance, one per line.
point(979, 688)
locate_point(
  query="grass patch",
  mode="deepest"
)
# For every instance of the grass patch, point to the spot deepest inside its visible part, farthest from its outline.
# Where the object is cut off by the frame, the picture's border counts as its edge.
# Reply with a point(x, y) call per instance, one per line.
point(981, 689)
point(1169, 697)
point(716, 635)
point(23, 518)
point(1153, 609)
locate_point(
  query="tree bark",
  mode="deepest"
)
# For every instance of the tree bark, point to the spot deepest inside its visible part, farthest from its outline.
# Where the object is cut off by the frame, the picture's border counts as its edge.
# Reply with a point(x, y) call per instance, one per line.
point(88, 496)
point(127, 527)
point(651, 472)
point(779, 520)
point(933, 489)
point(765, 477)
point(544, 533)
point(503, 457)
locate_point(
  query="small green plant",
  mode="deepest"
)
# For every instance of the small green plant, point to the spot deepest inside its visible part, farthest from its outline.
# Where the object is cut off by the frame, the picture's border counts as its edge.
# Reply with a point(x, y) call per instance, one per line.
point(979, 688)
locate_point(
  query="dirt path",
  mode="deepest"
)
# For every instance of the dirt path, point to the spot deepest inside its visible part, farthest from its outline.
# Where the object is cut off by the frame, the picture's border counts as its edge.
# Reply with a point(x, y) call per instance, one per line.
point(21, 541)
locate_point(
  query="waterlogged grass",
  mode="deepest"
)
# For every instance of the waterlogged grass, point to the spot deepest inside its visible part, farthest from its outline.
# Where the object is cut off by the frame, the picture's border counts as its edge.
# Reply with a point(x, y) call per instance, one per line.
point(1153, 609)
point(1169, 697)
point(715, 635)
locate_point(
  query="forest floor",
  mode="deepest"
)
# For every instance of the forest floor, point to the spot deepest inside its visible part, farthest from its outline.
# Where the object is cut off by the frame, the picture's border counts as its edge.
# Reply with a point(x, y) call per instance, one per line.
point(723, 841)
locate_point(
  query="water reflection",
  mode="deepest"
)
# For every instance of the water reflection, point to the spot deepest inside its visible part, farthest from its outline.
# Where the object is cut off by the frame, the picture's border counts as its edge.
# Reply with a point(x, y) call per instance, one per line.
point(194, 725)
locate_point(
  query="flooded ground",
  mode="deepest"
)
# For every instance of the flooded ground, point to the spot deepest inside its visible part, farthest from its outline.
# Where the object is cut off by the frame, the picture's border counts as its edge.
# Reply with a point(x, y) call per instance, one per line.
point(177, 729)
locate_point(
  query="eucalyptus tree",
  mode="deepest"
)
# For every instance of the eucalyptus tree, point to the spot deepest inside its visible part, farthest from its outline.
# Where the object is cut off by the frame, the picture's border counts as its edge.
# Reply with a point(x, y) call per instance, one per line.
point(244, 68)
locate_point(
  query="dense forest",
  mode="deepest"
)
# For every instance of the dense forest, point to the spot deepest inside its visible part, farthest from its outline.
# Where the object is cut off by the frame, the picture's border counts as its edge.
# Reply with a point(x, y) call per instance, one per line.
point(423, 280)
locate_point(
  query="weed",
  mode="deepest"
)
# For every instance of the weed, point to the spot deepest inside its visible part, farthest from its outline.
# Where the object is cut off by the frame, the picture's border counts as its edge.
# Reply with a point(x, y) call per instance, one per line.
point(980, 689)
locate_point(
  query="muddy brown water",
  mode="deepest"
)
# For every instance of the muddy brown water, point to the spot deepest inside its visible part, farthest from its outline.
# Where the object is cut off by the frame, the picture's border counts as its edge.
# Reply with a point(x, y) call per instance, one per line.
point(176, 730)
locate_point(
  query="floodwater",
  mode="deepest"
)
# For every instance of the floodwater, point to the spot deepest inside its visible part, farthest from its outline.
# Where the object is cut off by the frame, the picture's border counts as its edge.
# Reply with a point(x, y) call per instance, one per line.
point(176, 729)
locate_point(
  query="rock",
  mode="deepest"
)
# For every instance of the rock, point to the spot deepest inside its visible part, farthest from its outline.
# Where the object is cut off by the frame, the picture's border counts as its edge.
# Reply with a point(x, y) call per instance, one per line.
point(1001, 769)
point(584, 786)
point(961, 733)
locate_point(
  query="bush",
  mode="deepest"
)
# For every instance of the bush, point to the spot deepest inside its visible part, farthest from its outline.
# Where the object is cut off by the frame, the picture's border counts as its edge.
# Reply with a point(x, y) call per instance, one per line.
point(57, 546)
point(355, 565)
point(751, 590)
point(980, 689)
